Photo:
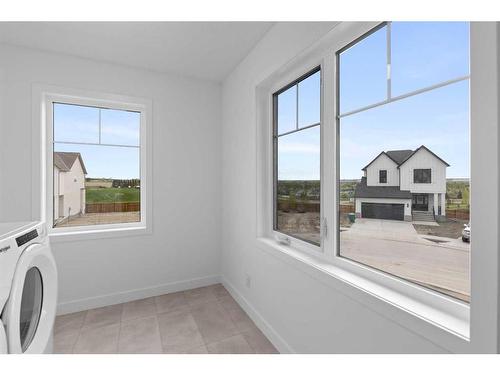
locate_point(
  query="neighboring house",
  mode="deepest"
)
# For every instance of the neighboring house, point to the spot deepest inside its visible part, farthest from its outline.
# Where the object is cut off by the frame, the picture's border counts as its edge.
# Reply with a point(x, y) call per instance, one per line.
point(403, 185)
point(69, 185)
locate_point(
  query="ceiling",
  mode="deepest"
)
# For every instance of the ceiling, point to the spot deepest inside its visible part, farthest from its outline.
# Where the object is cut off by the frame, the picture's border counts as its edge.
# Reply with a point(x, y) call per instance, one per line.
point(206, 50)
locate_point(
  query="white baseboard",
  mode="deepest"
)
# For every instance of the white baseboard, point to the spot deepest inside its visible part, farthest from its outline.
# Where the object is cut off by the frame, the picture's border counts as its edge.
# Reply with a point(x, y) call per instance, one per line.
point(131, 295)
point(273, 336)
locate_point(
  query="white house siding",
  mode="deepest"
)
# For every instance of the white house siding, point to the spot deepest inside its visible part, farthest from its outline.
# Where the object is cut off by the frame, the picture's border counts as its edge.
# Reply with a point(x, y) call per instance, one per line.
point(382, 162)
point(72, 182)
point(406, 202)
point(57, 192)
point(423, 159)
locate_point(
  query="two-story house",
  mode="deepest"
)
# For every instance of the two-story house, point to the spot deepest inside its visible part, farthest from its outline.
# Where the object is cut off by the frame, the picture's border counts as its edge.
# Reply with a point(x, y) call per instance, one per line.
point(69, 185)
point(403, 185)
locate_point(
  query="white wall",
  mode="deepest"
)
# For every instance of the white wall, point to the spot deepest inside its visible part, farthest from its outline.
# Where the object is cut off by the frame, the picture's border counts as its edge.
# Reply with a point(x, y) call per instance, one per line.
point(303, 312)
point(186, 217)
point(382, 162)
point(3, 95)
point(421, 160)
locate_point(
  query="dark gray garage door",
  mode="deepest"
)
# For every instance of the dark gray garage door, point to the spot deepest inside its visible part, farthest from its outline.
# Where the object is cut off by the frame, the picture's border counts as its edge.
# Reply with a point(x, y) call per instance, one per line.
point(387, 211)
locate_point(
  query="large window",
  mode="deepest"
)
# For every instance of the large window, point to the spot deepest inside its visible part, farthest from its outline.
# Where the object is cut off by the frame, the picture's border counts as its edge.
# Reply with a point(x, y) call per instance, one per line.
point(403, 94)
point(97, 163)
point(422, 176)
point(296, 138)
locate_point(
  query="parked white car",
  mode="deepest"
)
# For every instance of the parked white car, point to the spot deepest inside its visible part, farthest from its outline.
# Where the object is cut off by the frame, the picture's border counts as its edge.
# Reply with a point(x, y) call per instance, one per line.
point(466, 233)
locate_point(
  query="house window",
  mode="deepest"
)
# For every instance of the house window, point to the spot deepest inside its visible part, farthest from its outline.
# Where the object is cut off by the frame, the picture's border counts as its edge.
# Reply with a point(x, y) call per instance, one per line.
point(422, 176)
point(296, 140)
point(96, 163)
point(389, 77)
point(382, 176)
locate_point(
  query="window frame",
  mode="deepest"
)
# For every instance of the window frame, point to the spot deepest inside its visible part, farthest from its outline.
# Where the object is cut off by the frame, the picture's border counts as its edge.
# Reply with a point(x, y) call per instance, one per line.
point(444, 319)
point(279, 234)
point(45, 97)
point(417, 180)
point(380, 177)
point(427, 296)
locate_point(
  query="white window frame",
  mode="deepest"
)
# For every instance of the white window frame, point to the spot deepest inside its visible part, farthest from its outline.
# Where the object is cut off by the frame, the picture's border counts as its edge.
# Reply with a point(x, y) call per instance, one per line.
point(306, 246)
point(44, 97)
point(440, 318)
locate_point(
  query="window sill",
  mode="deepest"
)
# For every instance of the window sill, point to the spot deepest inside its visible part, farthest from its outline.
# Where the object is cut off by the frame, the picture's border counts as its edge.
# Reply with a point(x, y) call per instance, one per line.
point(443, 328)
point(96, 233)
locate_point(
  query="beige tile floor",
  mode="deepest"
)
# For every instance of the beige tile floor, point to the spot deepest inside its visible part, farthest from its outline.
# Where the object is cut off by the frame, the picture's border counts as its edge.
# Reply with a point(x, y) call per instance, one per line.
point(203, 320)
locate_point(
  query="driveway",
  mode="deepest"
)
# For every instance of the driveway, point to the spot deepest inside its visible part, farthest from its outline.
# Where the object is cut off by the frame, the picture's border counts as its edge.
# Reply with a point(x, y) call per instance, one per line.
point(385, 229)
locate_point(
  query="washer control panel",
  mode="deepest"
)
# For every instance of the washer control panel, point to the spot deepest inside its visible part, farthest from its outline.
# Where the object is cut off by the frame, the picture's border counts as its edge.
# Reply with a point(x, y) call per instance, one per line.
point(27, 237)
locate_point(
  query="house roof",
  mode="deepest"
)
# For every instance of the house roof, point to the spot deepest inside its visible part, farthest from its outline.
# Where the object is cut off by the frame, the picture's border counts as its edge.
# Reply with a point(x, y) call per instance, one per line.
point(364, 191)
point(425, 148)
point(401, 156)
point(65, 160)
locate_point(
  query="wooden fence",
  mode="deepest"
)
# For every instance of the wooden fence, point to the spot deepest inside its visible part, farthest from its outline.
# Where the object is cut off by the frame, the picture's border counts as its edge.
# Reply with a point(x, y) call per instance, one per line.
point(460, 213)
point(347, 208)
point(285, 205)
point(97, 208)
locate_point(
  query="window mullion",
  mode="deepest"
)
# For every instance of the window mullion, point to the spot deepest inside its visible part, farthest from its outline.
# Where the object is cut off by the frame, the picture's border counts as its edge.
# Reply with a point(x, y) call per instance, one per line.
point(389, 61)
point(297, 107)
point(100, 111)
point(328, 156)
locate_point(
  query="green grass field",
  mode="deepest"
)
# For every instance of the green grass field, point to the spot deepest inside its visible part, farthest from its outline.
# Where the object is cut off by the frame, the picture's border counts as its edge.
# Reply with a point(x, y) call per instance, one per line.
point(104, 195)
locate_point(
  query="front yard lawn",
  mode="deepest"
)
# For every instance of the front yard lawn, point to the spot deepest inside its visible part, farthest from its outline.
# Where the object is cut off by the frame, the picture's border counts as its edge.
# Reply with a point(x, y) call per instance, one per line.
point(451, 228)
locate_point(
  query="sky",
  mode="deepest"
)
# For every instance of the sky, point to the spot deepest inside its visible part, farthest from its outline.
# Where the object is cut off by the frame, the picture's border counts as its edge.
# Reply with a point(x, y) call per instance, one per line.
point(74, 123)
point(422, 54)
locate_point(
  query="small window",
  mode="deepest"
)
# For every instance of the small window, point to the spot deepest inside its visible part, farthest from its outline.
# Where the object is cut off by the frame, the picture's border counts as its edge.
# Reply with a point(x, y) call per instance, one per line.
point(296, 139)
point(96, 165)
point(382, 176)
point(422, 176)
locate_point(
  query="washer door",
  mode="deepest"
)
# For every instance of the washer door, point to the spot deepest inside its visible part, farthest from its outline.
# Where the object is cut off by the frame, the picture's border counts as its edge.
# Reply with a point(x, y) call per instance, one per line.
point(31, 308)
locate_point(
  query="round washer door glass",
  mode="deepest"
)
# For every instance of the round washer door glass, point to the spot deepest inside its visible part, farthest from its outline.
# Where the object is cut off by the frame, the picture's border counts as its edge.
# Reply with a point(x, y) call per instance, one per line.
point(31, 306)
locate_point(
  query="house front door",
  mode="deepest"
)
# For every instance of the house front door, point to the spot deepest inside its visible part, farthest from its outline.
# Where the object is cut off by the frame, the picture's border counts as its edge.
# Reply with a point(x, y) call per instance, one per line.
point(420, 202)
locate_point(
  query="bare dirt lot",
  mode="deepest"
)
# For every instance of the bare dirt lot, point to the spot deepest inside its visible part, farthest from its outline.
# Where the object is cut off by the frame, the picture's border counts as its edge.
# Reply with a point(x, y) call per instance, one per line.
point(344, 221)
point(101, 218)
point(451, 228)
point(302, 225)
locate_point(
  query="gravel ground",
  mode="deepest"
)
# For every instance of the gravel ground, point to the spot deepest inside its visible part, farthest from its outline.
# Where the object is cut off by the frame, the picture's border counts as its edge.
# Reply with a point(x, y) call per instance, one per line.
point(451, 228)
point(102, 218)
point(302, 225)
point(344, 221)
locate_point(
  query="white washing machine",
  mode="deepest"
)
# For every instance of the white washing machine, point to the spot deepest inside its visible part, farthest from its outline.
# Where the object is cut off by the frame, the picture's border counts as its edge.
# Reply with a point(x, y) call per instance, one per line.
point(28, 289)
